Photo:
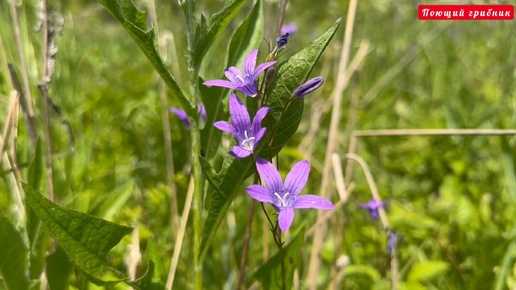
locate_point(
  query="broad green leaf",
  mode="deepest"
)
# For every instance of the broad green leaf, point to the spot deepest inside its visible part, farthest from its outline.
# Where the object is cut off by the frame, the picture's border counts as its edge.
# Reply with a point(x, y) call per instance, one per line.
point(208, 32)
point(269, 274)
point(427, 270)
point(84, 238)
point(290, 74)
point(13, 257)
point(135, 23)
point(114, 201)
point(246, 38)
point(58, 270)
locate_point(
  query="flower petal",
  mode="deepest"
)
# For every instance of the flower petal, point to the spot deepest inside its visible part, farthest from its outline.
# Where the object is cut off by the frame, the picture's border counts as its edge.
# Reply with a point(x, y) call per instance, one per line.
point(239, 114)
point(239, 152)
point(260, 193)
point(259, 117)
point(269, 174)
point(221, 83)
point(262, 67)
point(258, 136)
point(181, 115)
point(234, 75)
point(297, 177)
point(285, 218)
point(250, 63)
point(312, 201)
point(226, 127)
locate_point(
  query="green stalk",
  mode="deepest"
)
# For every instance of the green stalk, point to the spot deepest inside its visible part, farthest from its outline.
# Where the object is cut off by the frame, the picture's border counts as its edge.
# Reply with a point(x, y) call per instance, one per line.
point(188, 7)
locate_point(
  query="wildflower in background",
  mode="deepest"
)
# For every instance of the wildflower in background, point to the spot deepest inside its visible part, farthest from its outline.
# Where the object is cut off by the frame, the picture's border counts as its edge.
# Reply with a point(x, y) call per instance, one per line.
point(308, 87)
point(284, 197)
point(244, 81)
point(248, 135)
point(181, 114)
point(392, 241)
point(290, 29)
point(373, 206)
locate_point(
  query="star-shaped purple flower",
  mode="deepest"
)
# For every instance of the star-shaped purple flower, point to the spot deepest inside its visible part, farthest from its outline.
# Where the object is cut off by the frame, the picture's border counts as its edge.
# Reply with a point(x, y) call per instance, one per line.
point(248, 135)
point(183, 117)
point(245, 81)
point(373, 206)
point(284, 197)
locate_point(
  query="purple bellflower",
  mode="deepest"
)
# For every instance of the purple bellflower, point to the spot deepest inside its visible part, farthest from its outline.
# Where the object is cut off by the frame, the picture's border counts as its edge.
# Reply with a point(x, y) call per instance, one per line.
point(183, 117)
point(245, 81)
point(308, 87)
point(290, 28)
point(373, 206)
point(392, 241)
point(248, 134)
point(284, 196)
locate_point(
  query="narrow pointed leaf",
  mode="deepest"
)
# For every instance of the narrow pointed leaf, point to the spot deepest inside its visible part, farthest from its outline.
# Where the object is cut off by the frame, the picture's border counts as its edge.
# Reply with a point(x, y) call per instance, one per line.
point(13, 257)
point(269, 274)
point(290, 74)
point(113, 201)
point(214, 28)
point(85, 239)
point(135, 23)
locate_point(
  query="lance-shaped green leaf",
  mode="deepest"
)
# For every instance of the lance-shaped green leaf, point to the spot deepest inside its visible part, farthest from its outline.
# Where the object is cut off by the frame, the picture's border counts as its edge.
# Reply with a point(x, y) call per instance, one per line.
point(290, 74)
point(269, 274)
point(246, 38)
point(13, 257)
point(208, 32)
point(135, 23)
point(85, 239)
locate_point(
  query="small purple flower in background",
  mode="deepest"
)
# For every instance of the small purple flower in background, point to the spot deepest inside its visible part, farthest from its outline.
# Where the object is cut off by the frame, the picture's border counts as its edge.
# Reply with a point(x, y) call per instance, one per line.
point(284, 196)
point(181, 114)
point(245, 81)
point(308, 87)
point(392, 241)
point(248, 135)
point(290, 28)
point(372, 206)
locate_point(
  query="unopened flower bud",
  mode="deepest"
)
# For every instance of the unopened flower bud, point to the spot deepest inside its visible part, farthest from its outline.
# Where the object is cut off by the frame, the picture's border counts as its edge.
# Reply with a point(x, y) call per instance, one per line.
point(281, 41)
point(308, 87)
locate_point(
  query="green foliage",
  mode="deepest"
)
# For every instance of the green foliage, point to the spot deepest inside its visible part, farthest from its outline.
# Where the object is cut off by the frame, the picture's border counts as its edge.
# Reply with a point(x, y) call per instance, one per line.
point(14, 257)
point(270, 275)
point(224, 185)
point(84, 238)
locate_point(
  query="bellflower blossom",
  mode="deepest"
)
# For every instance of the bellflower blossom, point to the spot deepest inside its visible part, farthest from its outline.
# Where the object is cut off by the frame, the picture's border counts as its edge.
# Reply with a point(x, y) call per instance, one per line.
point(373, 206)
point(183, 117)
point(308, 87)
point(290, 28)
point(248, 135)
point(392, 241)
point(245, 81)
point(284, 196)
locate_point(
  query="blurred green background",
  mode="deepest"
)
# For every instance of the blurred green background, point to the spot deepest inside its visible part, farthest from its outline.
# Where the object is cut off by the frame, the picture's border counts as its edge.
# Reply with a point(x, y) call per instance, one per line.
point(453, 199)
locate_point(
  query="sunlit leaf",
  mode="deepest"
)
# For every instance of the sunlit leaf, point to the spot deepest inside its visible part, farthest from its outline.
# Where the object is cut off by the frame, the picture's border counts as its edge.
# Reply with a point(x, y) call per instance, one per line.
point(85, 239)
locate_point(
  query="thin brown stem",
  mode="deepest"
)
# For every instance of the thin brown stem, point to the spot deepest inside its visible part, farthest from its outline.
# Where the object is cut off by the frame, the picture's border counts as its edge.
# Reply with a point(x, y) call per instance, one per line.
point(26, 97)
point(281, 16)
point(331, 146)
point(245, 249)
